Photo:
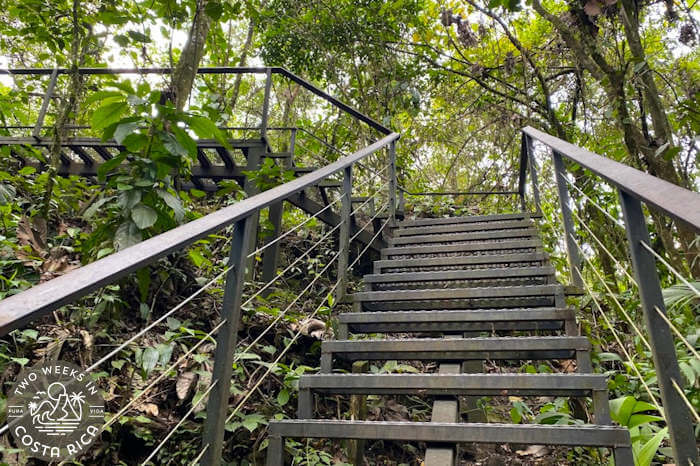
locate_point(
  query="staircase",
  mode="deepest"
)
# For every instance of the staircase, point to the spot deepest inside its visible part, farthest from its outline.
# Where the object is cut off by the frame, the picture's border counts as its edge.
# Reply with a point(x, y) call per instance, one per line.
point(458, 278)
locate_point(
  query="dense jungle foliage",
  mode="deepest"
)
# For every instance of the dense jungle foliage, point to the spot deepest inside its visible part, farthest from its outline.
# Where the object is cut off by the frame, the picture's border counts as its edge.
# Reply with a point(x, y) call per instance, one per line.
point(457, 80)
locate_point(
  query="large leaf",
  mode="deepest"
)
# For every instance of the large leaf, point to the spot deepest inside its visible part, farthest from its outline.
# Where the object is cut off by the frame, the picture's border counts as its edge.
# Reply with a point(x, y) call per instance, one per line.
point(149, 359)
point(7, 193)
point(648, 451)
point(127, 234)
point(206, 129)
point(109, 165)
point(143, 216)
point(173, 202)
point(124, 130)
point(108, 114)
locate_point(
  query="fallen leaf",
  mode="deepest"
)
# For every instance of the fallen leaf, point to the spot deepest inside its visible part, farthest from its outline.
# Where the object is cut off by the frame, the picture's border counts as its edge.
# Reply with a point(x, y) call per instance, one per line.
point(536, 451)
point(313, 328)
point(33, 232)
point(184, 384)
point(149, 408)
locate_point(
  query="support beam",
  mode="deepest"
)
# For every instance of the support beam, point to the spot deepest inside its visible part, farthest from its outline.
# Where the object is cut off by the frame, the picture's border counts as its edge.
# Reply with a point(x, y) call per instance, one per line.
point(680, 425)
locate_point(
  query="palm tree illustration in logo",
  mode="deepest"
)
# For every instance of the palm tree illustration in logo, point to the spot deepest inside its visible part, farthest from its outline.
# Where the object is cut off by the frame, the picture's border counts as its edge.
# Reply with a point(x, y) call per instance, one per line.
point(58, 413)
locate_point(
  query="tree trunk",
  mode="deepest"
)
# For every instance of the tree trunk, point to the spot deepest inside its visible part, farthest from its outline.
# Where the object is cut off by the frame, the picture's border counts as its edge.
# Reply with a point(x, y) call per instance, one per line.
point(186, 69)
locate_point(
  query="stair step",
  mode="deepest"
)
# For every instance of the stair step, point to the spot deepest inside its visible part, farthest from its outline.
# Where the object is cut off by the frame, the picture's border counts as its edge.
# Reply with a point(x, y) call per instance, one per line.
point(480, 320)
point(461, 278)
point(467, 219)
point(534, 434)
point(467, 249)
point(468, 236)
point(460, 298)
point(456, 384)
point(459, 349)
point(463, 227)
point(460, 262)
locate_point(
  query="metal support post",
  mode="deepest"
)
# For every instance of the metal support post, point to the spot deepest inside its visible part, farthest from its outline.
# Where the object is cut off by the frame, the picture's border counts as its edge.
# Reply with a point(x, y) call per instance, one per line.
point(45, 104)
point(564, 202)
point(271, 253)
point(227, 337)
point(533, 172)
point(392, 183)
point(680, 426)
point(250, 188)
point(266, 104)
point(344, 236)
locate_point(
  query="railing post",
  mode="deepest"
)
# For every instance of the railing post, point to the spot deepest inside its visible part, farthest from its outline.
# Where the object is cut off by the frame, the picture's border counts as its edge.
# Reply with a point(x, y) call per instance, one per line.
point(227, 337)
point(254, 158)
point(564, 202)
point(663, 350)
point(266, 104)
point(522, 175)
point(344, 236)
point(36, 132)
point(533, 172)
point(392, 183)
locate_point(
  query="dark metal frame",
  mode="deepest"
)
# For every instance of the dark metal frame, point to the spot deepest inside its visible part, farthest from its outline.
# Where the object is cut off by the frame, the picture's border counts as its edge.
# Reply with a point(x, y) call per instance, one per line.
point(634, 187)
point(40, 300)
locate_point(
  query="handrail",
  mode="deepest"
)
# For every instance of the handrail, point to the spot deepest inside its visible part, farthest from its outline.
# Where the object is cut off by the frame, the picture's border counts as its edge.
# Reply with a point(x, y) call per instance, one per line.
point(209, 70)
point(667, 197)
point(456, 193)
point(41, 299)
point(634, 187)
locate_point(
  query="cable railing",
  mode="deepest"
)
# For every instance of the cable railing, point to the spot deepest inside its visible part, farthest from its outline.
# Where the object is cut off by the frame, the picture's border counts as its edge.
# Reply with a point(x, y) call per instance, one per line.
point(634, 189)
point(238, 292)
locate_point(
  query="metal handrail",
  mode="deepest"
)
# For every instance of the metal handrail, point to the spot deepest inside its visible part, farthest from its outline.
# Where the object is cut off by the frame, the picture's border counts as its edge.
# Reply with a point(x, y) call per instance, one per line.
point(209, 70)
point(634, 187)
point(666, 197)
point(41, 299)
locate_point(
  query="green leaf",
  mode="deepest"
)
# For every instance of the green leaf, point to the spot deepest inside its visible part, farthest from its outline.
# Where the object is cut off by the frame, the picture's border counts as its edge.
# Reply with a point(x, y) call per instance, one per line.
point(173, 146)
point(283, 397)
point(204, 128)
point(108, 114)
point(92, 210)
point(139, 37)
point(144, 216)
point(252, 421)
point(109, 165)
point(648, 451)
point(7, 193)
point(124, 130)
point(104, 97)
point(149, 359)
point(173, 202)
point(189, 144)
point(127, 234)
point(21, 361)
point(214, 10)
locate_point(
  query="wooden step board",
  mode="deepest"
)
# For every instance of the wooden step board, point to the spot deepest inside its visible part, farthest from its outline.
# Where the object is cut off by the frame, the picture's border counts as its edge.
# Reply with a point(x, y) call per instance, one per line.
point(456, 292)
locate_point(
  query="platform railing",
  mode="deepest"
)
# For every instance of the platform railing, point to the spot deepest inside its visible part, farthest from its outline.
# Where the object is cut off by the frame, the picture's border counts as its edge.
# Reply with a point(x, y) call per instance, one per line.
point(635, 189)
point(41, 300)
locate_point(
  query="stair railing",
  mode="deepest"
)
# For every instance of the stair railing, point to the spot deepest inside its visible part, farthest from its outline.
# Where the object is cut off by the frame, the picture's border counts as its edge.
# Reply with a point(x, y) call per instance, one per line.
point(634, 189)
point(23, 308)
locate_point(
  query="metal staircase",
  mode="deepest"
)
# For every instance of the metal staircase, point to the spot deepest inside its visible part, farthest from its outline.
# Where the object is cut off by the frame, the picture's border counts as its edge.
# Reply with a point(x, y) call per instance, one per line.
point(459, 278)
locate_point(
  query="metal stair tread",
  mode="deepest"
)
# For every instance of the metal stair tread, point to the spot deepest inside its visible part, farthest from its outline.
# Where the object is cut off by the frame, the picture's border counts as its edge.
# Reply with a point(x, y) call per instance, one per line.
point(452, 315)
point(462, 227)
point(477, 246)
point(473, 236)
point(464, 219)
point(463, 344)
point(572, 435)
point(497, 272)
point(546, 384)
point(483, 259)
point(447, 293)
